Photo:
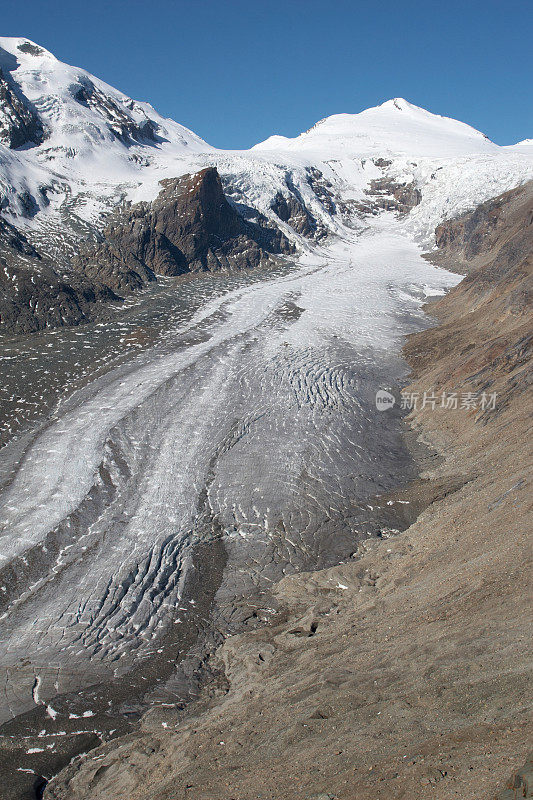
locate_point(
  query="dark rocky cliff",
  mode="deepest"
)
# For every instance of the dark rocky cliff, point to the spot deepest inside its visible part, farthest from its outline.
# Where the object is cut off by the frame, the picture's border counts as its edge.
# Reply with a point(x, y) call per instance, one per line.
point(291, 210)
point(19, 123)
point(30, 302)
point(189, 227)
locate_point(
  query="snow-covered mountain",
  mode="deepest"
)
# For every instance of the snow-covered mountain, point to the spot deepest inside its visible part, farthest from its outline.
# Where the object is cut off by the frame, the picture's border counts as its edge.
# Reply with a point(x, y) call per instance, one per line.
point(74, 149)
point(90, 135)
point(393, 128)
point(525, 146)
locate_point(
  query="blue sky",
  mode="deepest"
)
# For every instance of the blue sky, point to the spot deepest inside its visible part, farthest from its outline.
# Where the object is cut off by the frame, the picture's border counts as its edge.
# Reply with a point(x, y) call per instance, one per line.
point(236, 72)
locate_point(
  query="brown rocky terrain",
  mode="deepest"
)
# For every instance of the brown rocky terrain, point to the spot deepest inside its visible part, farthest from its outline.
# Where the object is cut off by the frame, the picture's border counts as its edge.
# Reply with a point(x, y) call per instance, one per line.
point(34, 296)
point(403, 673)
point(190, 227)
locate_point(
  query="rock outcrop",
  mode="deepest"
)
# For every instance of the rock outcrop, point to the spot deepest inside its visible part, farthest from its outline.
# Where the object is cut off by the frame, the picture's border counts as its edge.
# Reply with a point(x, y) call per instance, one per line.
point(322, 188)
point(19, 123)
point(290, 206)
point(189, 227)
point(403, 673)
point(520, 786)
point(31, 302)
point(291, 210)
point(34, 296)
point(120, 124)
point(388, 195)
point(497, 232)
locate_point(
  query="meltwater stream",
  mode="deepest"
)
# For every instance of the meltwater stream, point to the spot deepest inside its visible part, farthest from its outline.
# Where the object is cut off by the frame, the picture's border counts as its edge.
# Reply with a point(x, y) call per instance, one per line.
point(252, 422)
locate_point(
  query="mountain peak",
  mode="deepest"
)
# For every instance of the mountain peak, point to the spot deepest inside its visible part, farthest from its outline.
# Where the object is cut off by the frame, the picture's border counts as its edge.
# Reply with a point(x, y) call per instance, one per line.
point(19, 49)
point(60, 112)
point(394, 127)
point(398, 103)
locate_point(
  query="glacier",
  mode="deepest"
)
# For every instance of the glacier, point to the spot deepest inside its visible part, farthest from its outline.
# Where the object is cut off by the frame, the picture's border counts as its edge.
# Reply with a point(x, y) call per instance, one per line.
point(248, 418)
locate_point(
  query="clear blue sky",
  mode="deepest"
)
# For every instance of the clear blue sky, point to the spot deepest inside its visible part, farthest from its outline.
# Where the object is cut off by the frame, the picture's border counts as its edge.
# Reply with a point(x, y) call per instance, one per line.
point(236, 72)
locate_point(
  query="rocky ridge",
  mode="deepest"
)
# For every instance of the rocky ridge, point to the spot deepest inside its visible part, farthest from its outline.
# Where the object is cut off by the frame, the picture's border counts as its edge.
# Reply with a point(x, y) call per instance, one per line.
point(119, 122)
point(34, 295)
point(189, 227)
point(19, 123)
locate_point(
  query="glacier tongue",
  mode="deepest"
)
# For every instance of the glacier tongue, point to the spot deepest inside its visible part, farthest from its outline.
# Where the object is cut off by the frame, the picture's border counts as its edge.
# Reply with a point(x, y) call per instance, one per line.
point(256, 418)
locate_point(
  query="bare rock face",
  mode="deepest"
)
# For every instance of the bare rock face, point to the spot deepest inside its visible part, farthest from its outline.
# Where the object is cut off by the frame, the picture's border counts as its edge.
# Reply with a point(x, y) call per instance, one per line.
point(290, 206)
point(193, 215)
point(13, 241)
point(119, 123)
point(492, 244)
point(189, 227)
point(30, 302)
point(33, 296)
point(291, 210)
point(382, 163)
point(112, 265)
point(497, 236)
point(391, 196)
point(19, 124)
point(322, 188)
point(473, 232)
point(495, 244)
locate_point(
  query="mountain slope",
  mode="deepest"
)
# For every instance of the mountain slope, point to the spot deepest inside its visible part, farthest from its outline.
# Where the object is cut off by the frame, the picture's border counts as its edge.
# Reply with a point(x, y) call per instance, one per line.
point(214, 431)
point(190, 227)
point(89, 132)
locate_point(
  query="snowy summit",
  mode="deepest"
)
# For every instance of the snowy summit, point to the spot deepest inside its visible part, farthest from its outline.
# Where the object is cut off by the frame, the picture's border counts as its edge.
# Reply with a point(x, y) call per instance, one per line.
point(395, 127)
